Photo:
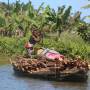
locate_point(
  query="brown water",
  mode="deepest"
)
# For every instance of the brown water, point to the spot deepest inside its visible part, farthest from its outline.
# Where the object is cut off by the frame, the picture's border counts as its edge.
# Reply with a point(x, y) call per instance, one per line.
point(9, 81)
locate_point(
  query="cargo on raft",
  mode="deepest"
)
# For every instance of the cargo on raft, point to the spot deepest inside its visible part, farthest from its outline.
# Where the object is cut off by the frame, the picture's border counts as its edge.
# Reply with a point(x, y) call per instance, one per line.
point(73, 70)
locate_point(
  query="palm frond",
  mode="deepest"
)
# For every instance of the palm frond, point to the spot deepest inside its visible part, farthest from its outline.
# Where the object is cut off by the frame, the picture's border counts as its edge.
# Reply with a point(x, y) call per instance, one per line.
point(86, 7)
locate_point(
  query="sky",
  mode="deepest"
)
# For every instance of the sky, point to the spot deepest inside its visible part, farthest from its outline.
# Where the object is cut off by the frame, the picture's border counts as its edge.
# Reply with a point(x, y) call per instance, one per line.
point(76, 5)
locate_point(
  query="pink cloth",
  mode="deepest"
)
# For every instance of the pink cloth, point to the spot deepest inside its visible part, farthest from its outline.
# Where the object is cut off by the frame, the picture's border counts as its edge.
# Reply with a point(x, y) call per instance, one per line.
point(53, 56)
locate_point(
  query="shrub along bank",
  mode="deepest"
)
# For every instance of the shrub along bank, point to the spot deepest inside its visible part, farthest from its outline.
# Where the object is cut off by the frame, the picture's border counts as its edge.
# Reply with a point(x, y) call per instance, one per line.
point(70, 45)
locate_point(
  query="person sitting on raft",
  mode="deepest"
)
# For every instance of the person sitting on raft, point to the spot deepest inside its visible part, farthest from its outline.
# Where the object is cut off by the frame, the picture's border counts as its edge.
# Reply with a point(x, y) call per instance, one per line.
point(50, 54)
point(34, 38)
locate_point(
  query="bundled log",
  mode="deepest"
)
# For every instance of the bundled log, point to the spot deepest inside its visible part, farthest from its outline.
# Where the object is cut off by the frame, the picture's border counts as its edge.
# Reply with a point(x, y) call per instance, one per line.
point(41, 64)
point(28, 65)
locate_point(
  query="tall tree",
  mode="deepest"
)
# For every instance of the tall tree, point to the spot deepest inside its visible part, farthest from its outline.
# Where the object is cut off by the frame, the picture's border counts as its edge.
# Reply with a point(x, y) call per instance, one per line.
point(58, 19)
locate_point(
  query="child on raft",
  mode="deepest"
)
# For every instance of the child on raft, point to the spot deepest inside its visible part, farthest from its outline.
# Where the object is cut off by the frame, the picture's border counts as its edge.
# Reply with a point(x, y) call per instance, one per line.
point(50, 54)
point(44, 52)
point(35, 38)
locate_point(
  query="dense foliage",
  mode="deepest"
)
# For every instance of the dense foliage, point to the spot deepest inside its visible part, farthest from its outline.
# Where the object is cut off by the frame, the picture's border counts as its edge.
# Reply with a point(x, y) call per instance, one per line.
point(64, 31)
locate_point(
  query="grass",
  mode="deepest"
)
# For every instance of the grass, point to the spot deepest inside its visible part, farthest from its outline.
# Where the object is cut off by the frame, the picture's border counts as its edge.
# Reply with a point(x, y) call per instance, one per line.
point(69, 45)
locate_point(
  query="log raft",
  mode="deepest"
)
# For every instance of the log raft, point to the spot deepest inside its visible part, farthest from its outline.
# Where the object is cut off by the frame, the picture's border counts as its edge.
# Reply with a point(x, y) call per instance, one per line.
point(75, 70)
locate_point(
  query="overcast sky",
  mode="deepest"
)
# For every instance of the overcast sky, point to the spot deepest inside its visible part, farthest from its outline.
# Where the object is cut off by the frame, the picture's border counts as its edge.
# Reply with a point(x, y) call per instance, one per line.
point(76, 4)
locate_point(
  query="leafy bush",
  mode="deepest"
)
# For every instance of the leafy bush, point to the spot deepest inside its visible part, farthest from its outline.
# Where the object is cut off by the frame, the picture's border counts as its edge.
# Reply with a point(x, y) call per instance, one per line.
point(12, 45)
point(70, 45)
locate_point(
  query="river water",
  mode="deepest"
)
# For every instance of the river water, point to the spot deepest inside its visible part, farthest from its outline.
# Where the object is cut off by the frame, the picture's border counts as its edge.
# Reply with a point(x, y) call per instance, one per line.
point(9, 81)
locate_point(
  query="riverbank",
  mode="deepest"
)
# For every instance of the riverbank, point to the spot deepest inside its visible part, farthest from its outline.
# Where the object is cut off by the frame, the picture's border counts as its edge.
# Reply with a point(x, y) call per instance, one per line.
point(4, 59)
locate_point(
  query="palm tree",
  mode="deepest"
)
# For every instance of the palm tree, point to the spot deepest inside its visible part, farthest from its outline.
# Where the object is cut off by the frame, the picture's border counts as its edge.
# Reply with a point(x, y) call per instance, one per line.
point(87, 7)
point(8, 4)
point(58, 19)
point(17, 8)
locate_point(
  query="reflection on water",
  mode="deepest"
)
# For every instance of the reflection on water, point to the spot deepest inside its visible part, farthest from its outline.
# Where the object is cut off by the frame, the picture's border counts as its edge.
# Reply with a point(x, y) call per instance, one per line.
point(9, 81)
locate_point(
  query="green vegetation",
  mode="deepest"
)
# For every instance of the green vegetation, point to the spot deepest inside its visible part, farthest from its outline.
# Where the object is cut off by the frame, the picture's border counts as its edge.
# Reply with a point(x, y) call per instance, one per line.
point(12, 45)
point(70, 45)
point(66, 33)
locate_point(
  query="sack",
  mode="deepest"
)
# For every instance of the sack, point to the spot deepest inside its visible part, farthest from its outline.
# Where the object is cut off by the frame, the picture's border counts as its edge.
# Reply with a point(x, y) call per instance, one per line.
point(54, 56)
point(28, 45)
